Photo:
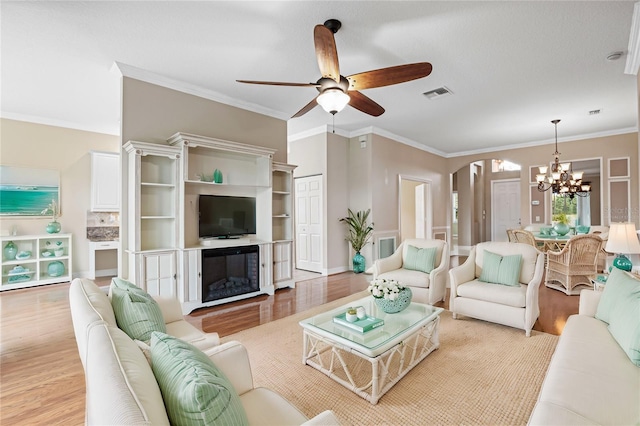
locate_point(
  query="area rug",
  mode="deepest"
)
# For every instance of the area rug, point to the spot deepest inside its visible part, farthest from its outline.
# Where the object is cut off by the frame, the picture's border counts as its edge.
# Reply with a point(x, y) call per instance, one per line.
point(483, 373)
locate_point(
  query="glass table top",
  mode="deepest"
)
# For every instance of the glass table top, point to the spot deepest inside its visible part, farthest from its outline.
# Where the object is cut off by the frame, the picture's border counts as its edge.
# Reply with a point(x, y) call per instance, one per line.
point(396, 326)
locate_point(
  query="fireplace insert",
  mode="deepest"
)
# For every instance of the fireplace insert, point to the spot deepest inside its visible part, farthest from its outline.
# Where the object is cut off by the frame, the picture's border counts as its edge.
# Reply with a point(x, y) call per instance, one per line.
point(228, 272)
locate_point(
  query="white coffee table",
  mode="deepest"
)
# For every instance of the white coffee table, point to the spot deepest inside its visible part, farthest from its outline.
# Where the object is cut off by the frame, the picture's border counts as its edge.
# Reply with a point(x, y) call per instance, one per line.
point(370, 363)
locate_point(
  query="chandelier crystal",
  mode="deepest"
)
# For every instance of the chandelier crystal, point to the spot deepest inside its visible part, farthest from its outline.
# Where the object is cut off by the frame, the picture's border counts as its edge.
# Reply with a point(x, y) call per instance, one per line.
point(561, 179)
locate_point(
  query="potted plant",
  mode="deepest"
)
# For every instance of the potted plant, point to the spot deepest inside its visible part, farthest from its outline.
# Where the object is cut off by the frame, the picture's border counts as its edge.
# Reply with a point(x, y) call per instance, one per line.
point(561, 225)
point(358, 236)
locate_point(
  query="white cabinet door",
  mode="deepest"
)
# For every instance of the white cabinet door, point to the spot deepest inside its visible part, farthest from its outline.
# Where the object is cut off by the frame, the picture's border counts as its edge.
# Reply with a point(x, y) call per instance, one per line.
point(159, 273)
point(105, 182)
point(282, 264)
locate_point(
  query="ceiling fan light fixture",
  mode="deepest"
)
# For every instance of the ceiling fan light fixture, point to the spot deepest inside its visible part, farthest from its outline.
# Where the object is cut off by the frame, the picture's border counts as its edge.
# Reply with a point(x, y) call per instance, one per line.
point(333, 100)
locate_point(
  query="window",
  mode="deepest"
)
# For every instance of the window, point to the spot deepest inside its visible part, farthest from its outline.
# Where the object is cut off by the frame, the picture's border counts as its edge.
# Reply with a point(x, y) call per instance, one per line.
point(503, 166)
point(577, 209)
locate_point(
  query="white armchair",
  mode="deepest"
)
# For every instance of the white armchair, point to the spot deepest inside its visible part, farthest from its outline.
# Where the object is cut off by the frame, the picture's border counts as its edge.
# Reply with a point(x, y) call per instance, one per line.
point(426, 287)
point(515, 306)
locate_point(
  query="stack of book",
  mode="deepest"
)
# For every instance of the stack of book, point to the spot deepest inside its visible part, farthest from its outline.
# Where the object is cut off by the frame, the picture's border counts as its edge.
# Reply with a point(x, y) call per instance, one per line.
point(361, 325)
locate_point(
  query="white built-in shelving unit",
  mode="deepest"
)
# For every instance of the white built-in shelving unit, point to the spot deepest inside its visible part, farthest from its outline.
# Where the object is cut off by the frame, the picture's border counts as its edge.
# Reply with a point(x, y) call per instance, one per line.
point(165, 183)
point(42, 250)
point(282, 224)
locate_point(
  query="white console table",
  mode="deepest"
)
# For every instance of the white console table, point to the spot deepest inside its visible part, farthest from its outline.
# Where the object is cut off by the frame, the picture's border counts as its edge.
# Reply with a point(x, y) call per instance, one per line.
point(97, 246)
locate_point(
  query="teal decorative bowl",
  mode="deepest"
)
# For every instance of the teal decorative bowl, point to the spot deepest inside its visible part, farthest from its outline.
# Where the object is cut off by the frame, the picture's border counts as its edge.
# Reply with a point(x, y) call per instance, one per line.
point(395, 306)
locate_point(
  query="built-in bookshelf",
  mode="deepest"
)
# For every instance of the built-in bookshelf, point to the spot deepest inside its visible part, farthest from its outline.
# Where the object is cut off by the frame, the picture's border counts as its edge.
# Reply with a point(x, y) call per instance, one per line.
point(36, 260)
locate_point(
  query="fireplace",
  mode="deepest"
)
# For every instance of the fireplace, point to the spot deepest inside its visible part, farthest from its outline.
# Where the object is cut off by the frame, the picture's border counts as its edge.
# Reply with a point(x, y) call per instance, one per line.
point(228, 272)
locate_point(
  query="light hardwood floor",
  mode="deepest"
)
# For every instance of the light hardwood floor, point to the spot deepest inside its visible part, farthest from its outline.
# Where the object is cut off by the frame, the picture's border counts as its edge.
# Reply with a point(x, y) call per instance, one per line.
point(41, 377)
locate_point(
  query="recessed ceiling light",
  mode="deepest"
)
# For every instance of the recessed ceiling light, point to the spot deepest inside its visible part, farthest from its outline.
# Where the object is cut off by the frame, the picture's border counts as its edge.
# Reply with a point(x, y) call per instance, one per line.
point(614, 56)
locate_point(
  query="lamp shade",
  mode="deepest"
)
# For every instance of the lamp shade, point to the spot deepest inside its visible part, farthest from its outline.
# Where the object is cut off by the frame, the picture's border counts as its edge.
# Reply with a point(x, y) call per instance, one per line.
point(623, 239)
point(333, 100)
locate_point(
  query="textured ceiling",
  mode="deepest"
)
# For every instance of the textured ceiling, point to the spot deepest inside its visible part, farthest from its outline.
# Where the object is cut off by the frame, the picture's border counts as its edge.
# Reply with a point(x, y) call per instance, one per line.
point(512, 66)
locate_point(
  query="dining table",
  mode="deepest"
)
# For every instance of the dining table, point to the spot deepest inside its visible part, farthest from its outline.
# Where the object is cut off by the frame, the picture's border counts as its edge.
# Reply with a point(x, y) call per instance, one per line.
point(551, 242)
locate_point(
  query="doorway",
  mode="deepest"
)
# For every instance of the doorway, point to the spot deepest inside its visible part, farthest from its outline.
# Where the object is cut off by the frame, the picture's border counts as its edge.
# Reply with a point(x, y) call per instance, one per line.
point(309, 227)
point(416, 208)
point(505, 207)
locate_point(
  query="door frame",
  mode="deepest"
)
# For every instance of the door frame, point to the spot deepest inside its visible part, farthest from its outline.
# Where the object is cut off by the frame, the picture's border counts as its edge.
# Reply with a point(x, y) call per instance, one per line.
point(428, 203)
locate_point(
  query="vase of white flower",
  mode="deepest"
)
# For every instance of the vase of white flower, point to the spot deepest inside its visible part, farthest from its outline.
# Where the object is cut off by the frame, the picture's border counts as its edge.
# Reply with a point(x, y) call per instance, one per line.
point(390, 296)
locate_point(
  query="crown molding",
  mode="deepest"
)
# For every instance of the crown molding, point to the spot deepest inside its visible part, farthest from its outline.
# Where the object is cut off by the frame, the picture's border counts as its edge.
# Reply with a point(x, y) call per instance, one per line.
point(546, 142)
point(106, 130)
point(633, 50)
point(129, 71)
point(381, 132)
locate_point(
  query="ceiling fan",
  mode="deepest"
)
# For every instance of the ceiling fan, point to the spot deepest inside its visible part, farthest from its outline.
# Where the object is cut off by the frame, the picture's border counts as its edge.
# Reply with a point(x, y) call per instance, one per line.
point(336, 91)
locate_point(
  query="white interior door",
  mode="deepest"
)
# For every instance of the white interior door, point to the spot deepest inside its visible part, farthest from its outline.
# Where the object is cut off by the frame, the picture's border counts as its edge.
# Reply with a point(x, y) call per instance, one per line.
point(505, 208)
point(309, 223)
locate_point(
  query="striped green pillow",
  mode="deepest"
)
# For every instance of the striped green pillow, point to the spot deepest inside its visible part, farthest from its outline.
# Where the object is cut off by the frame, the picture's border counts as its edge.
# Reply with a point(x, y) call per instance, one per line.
point(624, 325)
point(499, 269)
point(137, 314)
point(194, 390)
point(420, 259)
point(620, 286)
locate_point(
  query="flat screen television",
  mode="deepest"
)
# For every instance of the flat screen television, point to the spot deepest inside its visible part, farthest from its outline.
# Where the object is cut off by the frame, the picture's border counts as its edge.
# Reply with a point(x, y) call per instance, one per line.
point(223, 216)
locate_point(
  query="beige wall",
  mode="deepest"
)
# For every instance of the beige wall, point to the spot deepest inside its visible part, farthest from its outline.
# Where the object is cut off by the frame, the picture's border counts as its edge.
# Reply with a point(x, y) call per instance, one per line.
point(625, 145)
point(66, 150)
point(152, 113)
point(327, 154)
point(310, 155)
point(336, 193)
point(392, 159)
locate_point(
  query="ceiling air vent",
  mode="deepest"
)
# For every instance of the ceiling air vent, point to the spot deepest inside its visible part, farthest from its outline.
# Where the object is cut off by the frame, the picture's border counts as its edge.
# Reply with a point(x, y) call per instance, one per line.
point(438, 93)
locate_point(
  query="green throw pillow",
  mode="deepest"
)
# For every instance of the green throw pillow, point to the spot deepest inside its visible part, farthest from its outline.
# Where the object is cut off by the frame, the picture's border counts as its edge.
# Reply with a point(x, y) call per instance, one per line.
point(137, 314)
point(498, 269)
point(125, 285)
point(194, 390)
point(624, 326)
point(420, 259)
point(620, 286)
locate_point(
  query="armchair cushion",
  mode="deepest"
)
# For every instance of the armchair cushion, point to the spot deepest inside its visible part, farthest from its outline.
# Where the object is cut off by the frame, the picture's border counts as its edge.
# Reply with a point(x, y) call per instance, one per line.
point(420, 259)
point(194, 390)
point(501, 269)
point(488, 292)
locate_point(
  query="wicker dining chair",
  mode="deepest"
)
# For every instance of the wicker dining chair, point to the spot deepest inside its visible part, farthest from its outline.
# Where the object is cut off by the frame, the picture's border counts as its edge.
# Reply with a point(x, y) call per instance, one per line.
point(569, 270)
point(523, 236)
point(511, 237)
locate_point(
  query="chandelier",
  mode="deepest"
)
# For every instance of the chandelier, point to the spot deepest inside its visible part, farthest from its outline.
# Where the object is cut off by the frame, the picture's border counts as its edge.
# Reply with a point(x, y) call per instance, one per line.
point(561, 179)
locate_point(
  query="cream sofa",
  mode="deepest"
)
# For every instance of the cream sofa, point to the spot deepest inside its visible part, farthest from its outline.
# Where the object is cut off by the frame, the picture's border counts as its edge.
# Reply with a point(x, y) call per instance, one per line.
point(590, 379)
point(121, 388)
point(426, 288)
point(89, 303)
point(509, 305)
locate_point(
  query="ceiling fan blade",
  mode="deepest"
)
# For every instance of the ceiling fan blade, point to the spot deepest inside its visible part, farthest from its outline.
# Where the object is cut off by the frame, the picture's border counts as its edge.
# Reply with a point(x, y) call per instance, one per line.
point(305, 109)
point(279, 83)
point(389, 76)
point(326, 52)
point(365, 104)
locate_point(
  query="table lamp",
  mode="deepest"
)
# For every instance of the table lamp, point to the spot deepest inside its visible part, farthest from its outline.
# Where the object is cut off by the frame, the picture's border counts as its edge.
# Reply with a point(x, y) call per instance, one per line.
point(623, 240)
